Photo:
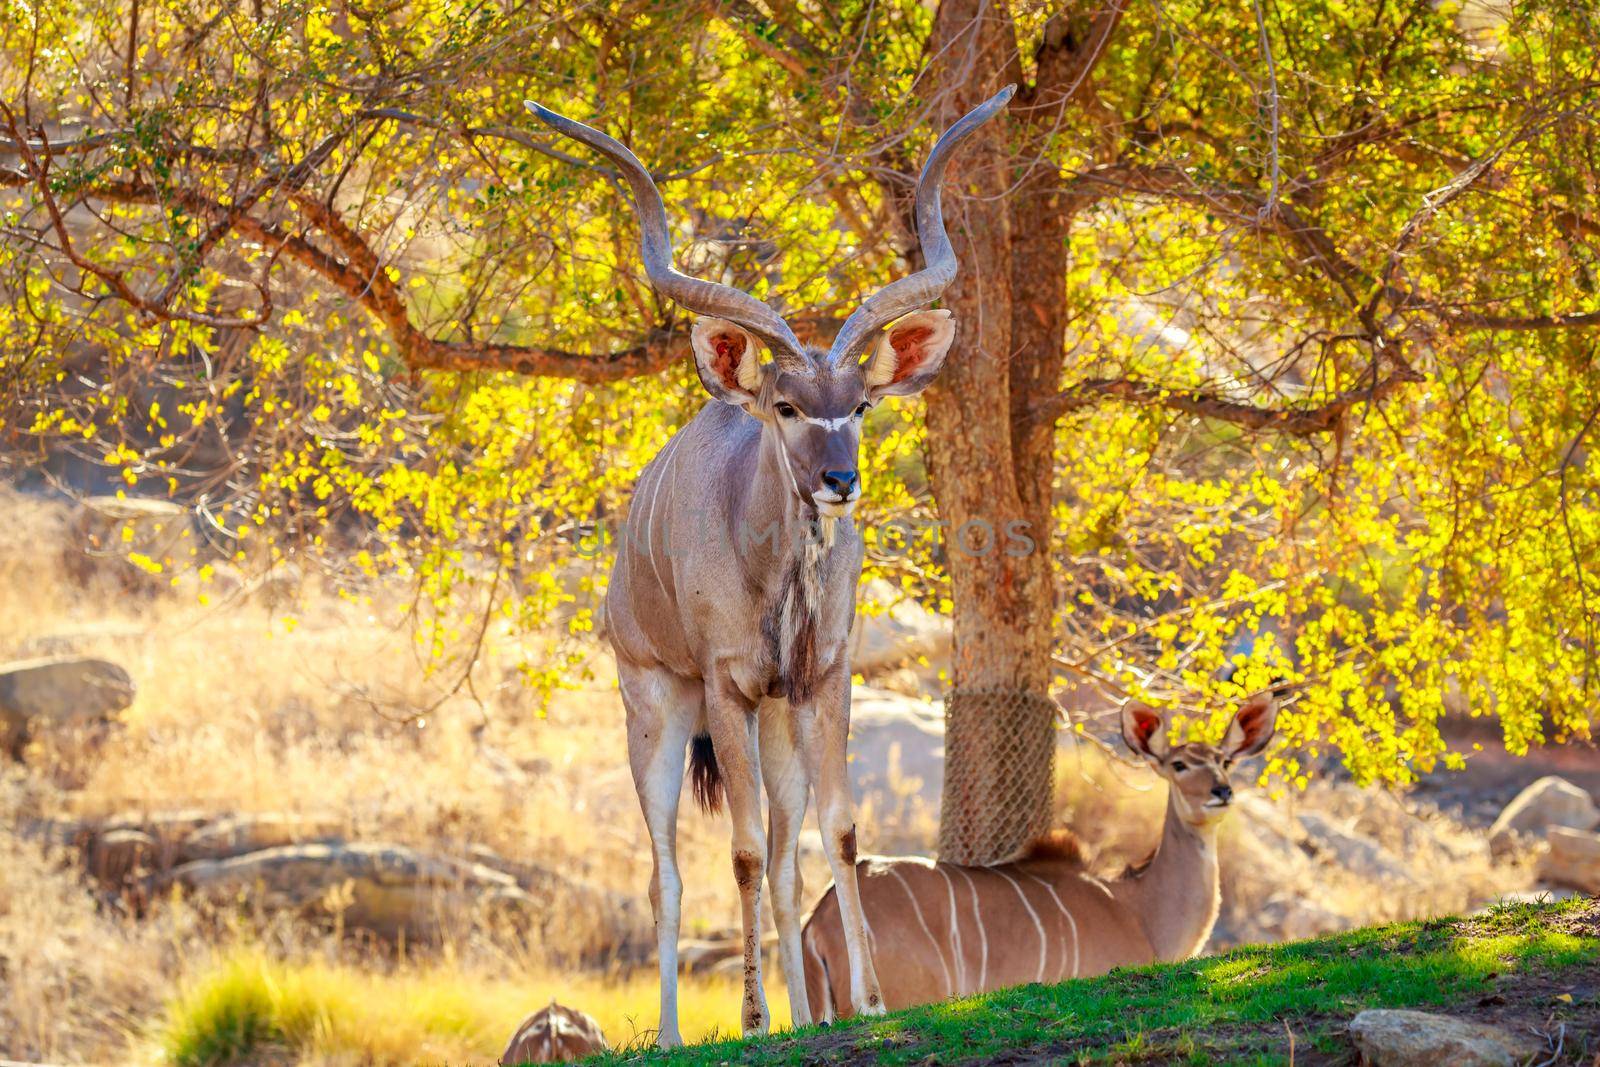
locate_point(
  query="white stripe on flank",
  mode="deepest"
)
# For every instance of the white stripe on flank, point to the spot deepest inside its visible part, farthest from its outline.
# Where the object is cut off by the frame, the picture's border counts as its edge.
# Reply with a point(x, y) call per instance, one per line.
point(1037, 925)
point(983, 937)
point(1097, 883)
point(1068, 916)
point(955, 931)
point(949, 987)
point(650, 514)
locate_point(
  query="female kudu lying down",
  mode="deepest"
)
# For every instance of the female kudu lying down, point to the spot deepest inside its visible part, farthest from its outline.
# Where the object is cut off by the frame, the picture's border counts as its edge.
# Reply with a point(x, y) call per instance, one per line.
point(938, 931)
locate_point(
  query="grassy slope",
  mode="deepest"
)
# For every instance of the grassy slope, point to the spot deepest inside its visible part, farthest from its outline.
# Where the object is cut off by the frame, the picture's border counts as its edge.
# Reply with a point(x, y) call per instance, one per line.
point(1519, 965)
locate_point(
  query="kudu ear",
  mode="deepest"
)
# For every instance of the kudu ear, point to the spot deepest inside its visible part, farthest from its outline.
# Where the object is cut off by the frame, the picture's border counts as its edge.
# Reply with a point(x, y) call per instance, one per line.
point(727, 359)
point(909, 354)
point(1251, 728)
point(1145, 731)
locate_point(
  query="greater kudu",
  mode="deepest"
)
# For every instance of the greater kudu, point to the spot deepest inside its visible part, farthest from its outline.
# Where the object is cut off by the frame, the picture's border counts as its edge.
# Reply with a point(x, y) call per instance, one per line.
point(733, 590)
point(957, 931)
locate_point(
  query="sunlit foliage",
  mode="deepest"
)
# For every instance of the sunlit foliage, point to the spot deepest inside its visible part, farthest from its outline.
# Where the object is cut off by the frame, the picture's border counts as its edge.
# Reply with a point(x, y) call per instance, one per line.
point(300, 243)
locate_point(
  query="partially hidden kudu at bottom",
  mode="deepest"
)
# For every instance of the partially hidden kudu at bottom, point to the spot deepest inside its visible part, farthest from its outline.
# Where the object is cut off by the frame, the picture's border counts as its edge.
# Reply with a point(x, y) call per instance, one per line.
point(730, 637)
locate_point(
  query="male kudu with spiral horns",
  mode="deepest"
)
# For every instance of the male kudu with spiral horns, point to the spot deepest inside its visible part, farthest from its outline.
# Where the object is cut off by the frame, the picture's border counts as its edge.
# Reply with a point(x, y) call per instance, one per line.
point(733, 591)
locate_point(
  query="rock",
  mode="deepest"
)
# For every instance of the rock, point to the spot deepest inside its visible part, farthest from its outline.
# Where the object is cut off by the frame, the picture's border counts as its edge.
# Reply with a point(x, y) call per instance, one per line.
point(79, 640)
point(1420, 1039)
point(294, 861)
point(130, 846)
point(120, 857)
point(896, 749)
point(64, 691)
point(902, 634)
point(555, 1034)
point(1355, 852)
point(1551, 801)
point(171, 828)
point(389, 890)
point(239, 834)
point(1573, 859)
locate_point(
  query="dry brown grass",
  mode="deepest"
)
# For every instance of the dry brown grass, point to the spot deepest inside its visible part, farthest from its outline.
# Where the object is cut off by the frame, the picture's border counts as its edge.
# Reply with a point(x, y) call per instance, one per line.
point(315, 708)
point(75, 980)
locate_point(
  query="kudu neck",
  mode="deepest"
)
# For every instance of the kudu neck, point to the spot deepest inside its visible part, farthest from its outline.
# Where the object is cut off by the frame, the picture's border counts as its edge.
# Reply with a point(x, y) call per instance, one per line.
point(1176, 895)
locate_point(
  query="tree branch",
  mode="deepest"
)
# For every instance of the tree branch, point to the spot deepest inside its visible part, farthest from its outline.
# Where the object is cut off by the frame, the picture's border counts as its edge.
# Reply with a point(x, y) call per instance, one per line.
point(1069, 49)
point(1274, 110)
point(1247, 208)
point(36, 171)
point(357, 273)
point(749, 22)
point(526, 140)
point(1293, 422)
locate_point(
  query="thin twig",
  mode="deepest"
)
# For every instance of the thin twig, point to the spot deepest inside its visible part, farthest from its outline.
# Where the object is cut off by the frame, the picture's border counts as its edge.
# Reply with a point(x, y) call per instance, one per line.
point(1269, 210)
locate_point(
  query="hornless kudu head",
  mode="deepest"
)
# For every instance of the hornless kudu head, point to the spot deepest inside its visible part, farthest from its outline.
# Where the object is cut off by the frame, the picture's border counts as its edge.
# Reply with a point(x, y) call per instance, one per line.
point(811, 401)
point(1198, 773)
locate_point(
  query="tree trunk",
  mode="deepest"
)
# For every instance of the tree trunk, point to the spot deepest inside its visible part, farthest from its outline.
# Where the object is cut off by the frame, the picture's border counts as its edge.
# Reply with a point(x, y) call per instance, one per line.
point(999, 718)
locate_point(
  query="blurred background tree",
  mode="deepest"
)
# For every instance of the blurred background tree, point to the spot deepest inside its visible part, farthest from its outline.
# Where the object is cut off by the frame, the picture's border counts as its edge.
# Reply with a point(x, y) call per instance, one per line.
point(1277, 324)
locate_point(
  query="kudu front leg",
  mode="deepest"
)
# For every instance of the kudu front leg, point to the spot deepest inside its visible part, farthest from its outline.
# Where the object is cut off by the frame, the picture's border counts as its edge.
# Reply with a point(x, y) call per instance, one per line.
point(824, 738)
point(661, 708)
point(734, 736)
point(784, 775)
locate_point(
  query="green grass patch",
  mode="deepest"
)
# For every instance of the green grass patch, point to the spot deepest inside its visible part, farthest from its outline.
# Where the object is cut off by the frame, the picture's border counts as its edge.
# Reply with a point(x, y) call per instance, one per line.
point(247, 1007)
point(1240, 1007)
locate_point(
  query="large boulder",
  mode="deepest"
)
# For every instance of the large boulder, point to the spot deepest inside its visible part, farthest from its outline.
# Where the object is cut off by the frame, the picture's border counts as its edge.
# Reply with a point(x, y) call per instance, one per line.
point(393, 891)
point(1551, 801)
point(59, 692)
point(278, 861)
point(127, 850)
point(1573, 859)
point(79, 640)
point(236, 835)
point(386, 889)
point(556, 1034)
point(1392, 1038)
point(119, 857)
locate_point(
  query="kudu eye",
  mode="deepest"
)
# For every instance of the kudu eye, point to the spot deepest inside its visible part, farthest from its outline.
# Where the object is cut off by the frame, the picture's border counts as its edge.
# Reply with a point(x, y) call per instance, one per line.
point(785, 409)
point(1178, 766)
point(862, 409)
